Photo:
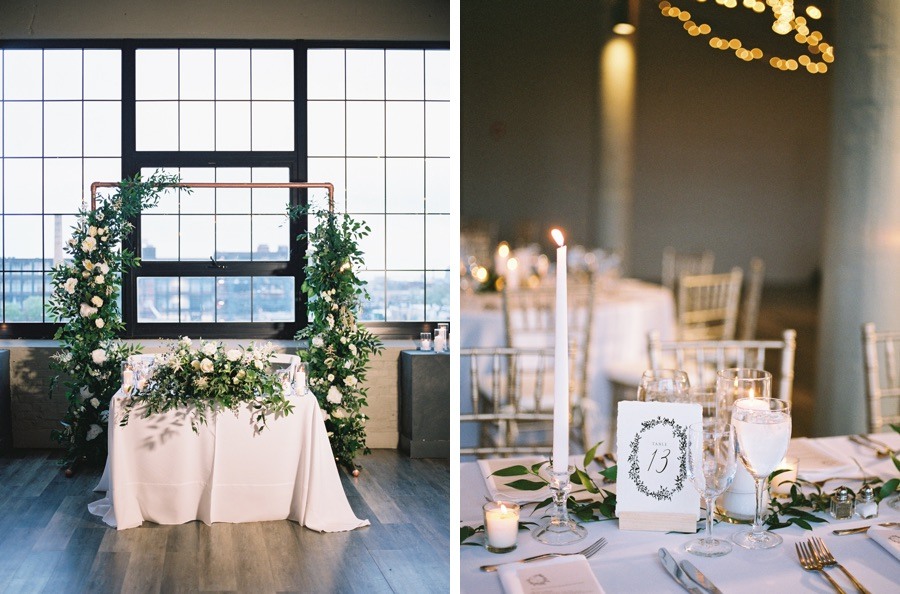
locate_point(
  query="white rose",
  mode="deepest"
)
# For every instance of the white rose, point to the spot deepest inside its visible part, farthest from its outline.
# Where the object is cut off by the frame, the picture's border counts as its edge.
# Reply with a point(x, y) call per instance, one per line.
point(343, 340)
point(70, 285)
point(331, 377)
point(89, 244)
point(92, 231)
point(339, 413)
point(93, 432)
point(97, 301)
point(233, 354)
point(104, 267)
point(99, 322)
point(85, 274)
point(95, 403)
point(99, 279)
point(209, 349)
point(348, 364)
point(353, 349)
point(318, 342)
point(326, 297)
point(99, 356)
point(86, 310)
point(241, 374)
point(88, 265)
point(186, 341)
point(334, 395)
point(351, 380)
point(206, 366)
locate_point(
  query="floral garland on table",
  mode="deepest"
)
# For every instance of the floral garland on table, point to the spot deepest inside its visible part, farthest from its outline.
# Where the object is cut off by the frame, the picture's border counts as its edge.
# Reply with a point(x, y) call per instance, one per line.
point(339, 349)
point(208, 379)
point(85, 296)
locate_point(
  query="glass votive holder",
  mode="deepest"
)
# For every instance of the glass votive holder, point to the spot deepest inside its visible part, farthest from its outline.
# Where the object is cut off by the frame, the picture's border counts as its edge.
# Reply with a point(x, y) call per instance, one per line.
point(501, 526)
point(127, 377)
point(301, 384)
point(425, 343)
point(782, 482)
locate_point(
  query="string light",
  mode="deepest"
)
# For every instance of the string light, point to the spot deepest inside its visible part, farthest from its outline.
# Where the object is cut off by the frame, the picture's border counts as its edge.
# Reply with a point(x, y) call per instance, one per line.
point(818, 56)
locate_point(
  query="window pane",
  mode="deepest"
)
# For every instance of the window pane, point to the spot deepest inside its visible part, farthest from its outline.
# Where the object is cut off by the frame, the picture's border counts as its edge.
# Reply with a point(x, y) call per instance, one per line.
point(22, 129)
point(156, 126)
point(233, 200)
point(198, 200)
point(232, 74)
point(106, 170)
point(365, 129)
point(271, 237)
point(273, 299)
point(437, 129)
point(273, 126)
point(198, 237)
point(329, 170)
point(24, 301)
point(157, 299)
point(156, 74)
point(273, 74)
point(439, 241)
point(365, 74)
point(365, 185)
point(232, 237)
point(405, 74)
point(102, 74)
point(233, 299)
point(372, 309)
point(197, 74)
point(198, 299)
point(270, 200)
point(198, 126)
point(62, 74)
point(233, 126)
point(159, 237)
point(405, 242)
point(405, 129)
point(325, 74)
point(405, 296)
point(325, 123)
point(57, 232)
point(405, 185)
point(22, 239)
point(102, 128)
point(62, 185)
point(437, 294)
point(437, 75)
point(437, 185)
point(22, 185)
point(22, 70)
point(62, 129)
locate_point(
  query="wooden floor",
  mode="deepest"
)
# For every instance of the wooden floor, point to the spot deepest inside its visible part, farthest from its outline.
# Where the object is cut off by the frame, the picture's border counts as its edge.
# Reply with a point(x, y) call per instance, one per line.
point(49, 542)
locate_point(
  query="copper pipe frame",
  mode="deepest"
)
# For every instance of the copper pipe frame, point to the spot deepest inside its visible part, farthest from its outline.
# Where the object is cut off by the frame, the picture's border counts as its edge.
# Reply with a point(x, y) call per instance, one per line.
point(291, 185)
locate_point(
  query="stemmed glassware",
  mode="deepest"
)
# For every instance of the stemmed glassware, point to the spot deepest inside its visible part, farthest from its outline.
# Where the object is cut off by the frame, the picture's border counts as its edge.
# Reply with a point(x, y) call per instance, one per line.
point(664, 385)
point(763, 429)
point(710, 466)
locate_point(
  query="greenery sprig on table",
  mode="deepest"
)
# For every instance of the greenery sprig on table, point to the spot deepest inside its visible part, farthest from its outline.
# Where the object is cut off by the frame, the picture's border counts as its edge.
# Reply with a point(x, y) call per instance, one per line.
point(208, 379)
point(86, 289)
point(339, 349)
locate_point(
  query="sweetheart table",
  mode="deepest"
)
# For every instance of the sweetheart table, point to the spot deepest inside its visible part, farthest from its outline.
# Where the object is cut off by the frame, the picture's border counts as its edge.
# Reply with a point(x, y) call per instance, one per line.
point(629, 562)
point(160, 470)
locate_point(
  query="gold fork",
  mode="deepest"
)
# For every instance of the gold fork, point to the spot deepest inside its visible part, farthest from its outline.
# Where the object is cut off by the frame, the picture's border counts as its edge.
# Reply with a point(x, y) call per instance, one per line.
point(810, 563)
point(824, 555)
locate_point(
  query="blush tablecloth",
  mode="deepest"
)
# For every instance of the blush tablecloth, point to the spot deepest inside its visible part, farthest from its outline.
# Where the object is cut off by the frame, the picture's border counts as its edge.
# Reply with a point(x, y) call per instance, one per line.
point(159, 470)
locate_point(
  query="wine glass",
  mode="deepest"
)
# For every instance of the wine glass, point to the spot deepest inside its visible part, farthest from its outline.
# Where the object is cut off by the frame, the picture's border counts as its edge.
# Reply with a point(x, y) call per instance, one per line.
point(710, 466)
point(763, 429)
point(664, 385)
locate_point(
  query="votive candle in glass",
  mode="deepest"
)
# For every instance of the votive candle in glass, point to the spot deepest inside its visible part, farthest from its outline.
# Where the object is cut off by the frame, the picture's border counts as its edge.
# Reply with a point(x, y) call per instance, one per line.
point(501, 526)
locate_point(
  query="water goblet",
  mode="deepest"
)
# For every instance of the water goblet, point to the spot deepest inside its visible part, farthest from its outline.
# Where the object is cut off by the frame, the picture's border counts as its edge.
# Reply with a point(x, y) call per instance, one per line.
point(664, 385)
point(763, 429)
point(710, 466)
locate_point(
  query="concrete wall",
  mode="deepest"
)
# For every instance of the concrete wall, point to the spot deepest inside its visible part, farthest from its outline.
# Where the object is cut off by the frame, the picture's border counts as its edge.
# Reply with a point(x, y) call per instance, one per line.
point(703, 178)
point(35, 412)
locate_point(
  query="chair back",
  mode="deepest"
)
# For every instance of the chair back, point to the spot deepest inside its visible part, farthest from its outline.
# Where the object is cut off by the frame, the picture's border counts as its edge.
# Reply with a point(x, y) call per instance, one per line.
point(506, 387)
point(881, 360)
point(701, 359)
point(708, 305)
point(677, 264)
point(750, 306)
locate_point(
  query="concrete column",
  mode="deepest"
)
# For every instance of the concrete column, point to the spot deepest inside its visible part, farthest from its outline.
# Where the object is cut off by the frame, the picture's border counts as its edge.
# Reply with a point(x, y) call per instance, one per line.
point(617, 66)
point(861, 259)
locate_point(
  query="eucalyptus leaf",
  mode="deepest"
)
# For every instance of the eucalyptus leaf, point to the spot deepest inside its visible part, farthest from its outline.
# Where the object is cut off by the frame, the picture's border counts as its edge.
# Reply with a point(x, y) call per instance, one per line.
point(527, 485)
point(517, 470)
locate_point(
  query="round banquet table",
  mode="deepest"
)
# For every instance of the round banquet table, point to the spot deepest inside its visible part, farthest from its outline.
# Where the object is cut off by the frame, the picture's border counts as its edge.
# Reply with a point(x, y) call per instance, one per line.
point(629, 562)
point(625, 311)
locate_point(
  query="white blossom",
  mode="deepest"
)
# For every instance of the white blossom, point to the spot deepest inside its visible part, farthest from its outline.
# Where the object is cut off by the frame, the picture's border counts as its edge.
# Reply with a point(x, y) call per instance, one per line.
point(70, 285)
point(86, 310)
point(334, 395)
point(95, 403)
point(209, 349)
point(104, 267)
point(89, 244)
point(93, 432)
point(339, 413)
point(318, 342)
point(99, 279)
point(186, 341)
point(98, 356)
point(233, 354)
point(88, 265)
point(206, 366)
point(351, 380)
point(99, 322)
point(331, 377)
point(97, 301)
point(353, 349)
point(92, 231)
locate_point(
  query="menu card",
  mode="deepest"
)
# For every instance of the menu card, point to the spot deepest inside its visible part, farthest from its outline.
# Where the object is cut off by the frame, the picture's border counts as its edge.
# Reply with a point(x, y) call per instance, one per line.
point(563, 575)
point(653, 491)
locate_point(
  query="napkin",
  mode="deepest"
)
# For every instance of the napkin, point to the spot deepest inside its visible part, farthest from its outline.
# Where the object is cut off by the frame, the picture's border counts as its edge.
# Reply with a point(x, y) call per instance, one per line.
point(818, 462)
point(498, 486)
point(888, 537)
point(570, 575)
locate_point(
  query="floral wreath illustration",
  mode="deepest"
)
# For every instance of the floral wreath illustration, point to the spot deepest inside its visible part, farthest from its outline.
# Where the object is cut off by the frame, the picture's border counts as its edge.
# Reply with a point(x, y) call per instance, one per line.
point(634, 469)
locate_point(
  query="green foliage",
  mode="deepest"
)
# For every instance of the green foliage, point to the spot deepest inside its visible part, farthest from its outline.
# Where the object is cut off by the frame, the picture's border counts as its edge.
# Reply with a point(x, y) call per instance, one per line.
point(208, 379)
point(339, 349)
point(86, 288)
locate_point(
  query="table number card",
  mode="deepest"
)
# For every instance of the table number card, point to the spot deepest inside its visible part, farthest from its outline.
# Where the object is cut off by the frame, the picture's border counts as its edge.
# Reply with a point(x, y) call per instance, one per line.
point(653, 491)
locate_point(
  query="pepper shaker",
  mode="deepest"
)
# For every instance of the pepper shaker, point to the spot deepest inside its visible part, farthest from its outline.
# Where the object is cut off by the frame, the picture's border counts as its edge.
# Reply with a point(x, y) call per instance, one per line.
point(866, 506)
point(842, 503)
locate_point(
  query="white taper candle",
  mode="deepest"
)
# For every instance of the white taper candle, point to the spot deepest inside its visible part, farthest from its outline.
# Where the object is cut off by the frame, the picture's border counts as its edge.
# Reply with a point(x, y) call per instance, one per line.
point(561, 362)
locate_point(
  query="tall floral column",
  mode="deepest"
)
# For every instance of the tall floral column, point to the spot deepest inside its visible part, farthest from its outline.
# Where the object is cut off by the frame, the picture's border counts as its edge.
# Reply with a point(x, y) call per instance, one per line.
point(339, 348)
point(86, 289)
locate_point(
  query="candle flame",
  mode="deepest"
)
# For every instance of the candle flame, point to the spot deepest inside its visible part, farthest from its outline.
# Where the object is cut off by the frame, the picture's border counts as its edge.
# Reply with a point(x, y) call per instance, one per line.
point(503, 249)
point(503, 509)
point(558, 237)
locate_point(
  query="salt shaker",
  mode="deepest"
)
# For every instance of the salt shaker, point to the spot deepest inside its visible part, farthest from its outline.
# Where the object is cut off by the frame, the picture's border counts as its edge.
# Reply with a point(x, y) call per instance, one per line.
point(866, 506)
point(842, 503)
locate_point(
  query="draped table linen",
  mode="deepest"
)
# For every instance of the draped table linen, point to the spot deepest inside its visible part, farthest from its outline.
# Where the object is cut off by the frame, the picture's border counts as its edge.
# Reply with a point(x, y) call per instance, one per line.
point(159, 470)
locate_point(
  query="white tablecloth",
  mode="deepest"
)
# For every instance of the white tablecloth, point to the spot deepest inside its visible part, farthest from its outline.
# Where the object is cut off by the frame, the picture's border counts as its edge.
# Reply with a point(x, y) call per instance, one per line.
point(629, 562)
point(159, 470)
point(624, 312)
